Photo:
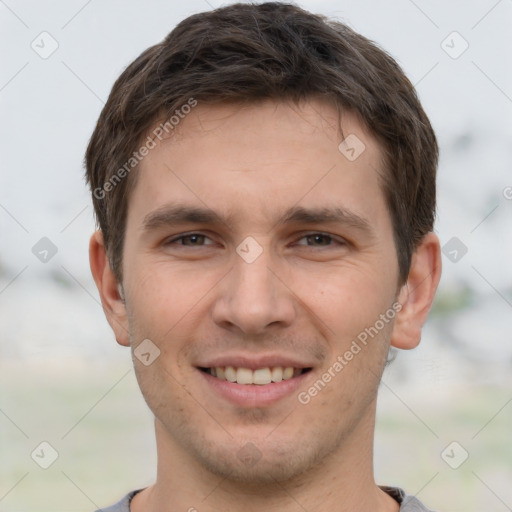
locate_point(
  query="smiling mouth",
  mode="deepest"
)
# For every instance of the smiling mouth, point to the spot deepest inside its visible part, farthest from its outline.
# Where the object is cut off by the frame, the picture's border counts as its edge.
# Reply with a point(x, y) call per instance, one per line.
point(259, 377)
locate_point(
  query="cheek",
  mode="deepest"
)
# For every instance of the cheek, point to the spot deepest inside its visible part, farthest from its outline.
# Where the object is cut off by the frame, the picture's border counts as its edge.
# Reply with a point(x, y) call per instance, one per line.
point(345, 301)
point(163, 296)
point(162, 391)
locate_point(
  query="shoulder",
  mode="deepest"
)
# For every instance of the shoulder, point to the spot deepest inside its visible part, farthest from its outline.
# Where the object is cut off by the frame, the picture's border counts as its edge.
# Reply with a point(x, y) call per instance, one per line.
point(122, 505)
point(407, 503)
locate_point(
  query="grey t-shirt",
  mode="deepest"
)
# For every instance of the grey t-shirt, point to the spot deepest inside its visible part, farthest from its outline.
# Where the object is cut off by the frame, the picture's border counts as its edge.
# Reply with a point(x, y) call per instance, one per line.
point(407, 503)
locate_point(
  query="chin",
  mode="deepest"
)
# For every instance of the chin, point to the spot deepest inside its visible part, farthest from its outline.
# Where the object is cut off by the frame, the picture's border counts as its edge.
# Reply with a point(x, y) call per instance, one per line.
point(262, 462)
point(264, 471)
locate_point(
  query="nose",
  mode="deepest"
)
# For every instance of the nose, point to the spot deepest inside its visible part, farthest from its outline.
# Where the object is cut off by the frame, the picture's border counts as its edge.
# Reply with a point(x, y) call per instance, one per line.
point(253, 297)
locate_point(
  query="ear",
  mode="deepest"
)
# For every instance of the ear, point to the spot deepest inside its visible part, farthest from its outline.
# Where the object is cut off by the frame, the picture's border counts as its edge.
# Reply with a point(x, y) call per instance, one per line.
point(113, 304)
point(417, 294)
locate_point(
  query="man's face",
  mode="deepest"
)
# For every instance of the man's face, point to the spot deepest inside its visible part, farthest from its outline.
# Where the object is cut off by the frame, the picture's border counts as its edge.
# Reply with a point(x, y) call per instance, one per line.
point(262, 282)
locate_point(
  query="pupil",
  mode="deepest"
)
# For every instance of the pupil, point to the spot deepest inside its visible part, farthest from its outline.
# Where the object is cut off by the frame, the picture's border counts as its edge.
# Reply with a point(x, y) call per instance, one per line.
point(194, 239)
point(320, 238)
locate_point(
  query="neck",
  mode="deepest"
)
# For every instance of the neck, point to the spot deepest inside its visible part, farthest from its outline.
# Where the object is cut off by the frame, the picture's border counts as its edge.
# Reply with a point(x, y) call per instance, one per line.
point(343, 482)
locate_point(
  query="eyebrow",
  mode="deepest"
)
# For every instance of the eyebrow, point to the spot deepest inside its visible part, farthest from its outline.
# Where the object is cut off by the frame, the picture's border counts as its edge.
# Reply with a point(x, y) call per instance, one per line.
point(182, 214)
point(338, 215)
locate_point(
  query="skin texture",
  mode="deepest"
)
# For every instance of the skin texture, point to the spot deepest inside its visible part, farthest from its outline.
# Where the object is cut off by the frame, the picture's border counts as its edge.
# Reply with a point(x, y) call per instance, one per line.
point(305, 296)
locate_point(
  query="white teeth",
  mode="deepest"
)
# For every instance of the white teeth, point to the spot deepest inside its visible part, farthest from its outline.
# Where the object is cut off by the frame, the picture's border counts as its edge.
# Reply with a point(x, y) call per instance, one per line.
point(261, 376)
point(288, 373)
point(277, 374)
point(230, 374)
point(244, 376)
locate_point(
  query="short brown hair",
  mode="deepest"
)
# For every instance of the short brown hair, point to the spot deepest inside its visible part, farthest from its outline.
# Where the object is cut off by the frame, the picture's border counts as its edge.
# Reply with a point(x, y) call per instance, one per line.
point(248, 53)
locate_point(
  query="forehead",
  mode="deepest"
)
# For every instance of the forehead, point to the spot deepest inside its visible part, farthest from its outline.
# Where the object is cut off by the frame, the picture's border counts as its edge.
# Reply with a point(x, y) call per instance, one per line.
point(250, 161)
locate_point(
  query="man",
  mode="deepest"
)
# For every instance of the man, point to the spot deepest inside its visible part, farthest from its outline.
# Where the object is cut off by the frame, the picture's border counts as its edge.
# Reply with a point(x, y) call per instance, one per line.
point(264, 183)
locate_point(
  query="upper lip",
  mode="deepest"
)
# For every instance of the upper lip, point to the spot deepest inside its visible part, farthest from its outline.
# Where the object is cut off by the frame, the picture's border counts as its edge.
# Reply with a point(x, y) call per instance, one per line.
point(254, 362)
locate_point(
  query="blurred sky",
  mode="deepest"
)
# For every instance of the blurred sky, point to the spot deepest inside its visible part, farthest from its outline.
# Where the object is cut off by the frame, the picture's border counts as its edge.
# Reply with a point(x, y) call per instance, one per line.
point(49, 106)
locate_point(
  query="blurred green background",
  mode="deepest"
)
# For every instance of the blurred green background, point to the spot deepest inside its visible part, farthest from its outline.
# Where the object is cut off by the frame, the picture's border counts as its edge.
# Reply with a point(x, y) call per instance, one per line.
point(95, 418)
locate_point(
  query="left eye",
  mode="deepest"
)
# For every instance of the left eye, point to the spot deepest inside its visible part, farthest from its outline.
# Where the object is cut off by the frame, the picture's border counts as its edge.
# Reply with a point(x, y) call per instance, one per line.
point(318, 240)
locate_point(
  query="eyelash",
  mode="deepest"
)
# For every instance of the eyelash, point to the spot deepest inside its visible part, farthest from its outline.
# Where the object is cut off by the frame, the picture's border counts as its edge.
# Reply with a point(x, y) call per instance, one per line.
point(331, 238)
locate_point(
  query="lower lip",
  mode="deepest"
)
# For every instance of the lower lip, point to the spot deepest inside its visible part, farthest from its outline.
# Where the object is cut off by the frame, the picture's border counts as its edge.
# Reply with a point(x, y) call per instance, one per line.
point(254, 395)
